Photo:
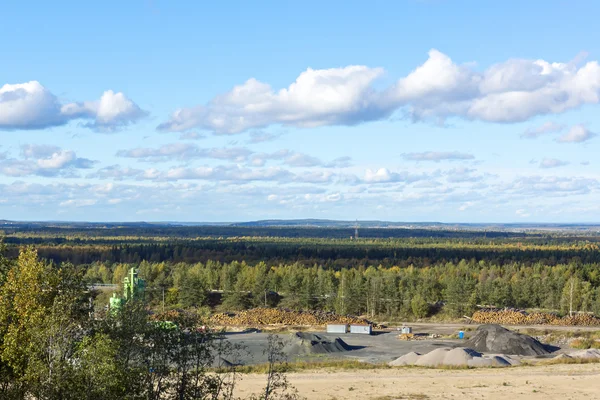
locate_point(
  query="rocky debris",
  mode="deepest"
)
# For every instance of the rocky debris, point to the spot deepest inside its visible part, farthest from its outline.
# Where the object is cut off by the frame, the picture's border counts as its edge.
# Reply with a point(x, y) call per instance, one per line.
point(278, 316)
point(520, 317)
point(457, 357)
point(498, 340)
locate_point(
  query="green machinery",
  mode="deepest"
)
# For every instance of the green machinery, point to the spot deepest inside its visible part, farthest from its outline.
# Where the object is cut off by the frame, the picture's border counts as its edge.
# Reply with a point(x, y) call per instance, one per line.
point(133, 288)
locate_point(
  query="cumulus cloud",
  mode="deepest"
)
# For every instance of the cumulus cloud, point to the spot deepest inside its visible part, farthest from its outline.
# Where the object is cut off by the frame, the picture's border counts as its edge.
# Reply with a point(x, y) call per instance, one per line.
point(438, 156)
point(552, 163)
point(547, 127)
point(316, 98)
point(512, 91)
point(44, 160)
point(31, 106)
point(577, 134)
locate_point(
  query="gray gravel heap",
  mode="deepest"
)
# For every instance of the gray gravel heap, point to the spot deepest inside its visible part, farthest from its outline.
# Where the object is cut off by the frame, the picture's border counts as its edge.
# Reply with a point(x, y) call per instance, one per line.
point(498, 340)
point(310, 343)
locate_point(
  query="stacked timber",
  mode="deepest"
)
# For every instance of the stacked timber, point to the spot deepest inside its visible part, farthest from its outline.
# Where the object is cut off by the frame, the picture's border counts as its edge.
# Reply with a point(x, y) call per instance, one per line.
point(277, 316)
point(519, 317)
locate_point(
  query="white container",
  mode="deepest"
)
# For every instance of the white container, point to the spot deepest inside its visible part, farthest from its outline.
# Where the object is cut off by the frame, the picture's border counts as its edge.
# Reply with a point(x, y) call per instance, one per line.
point(364, 329)
point(406, 329)
point(337, 328)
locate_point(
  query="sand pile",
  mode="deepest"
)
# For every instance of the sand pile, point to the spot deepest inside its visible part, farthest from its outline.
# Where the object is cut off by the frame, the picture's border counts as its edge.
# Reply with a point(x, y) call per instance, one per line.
point(586, 354)
point(310, 343)
point(458, 357)
point(496, 339)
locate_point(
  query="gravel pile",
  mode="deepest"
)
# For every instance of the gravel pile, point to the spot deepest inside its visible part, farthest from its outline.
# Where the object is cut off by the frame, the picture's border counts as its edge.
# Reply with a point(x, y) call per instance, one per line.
point(310, 343)
point(499, 340)
point(586, 354)
point(457, 357)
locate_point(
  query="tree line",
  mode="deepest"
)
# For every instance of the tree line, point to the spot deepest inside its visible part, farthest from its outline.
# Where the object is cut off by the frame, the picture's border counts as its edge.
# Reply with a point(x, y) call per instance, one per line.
point(330, 253)
point(377, 291)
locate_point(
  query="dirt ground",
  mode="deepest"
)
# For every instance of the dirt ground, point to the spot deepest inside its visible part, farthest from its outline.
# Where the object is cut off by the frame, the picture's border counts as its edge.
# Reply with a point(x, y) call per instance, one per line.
point(561, 382)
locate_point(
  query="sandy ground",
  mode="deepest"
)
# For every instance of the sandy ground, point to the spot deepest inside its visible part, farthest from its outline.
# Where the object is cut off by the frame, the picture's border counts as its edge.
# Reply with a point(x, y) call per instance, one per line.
point(559, 382)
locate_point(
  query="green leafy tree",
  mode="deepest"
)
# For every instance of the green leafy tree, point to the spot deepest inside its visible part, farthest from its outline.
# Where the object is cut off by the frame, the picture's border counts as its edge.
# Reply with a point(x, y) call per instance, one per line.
point(420, 308)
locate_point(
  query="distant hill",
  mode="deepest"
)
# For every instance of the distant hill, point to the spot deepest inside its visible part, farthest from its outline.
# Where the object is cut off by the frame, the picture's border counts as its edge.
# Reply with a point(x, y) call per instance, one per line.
point(314, 223)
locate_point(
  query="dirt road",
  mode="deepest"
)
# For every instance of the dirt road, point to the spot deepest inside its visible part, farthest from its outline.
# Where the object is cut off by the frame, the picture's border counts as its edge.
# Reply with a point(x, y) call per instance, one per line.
point(560, 382)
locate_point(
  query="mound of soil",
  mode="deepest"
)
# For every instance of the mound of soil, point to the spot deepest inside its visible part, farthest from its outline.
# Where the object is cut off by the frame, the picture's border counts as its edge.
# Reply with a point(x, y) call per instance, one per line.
point(585, 354)
point(310, 343)
point(457, 357)
point(496, 339)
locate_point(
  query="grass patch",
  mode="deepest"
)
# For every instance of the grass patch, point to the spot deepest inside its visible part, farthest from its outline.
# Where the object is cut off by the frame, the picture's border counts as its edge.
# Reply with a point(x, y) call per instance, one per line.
point(335, 365)
point(298, 366)
point(553, 361)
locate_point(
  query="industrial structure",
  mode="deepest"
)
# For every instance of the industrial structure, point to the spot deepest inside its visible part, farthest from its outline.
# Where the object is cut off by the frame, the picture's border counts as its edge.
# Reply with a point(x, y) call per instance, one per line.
point(133, 288)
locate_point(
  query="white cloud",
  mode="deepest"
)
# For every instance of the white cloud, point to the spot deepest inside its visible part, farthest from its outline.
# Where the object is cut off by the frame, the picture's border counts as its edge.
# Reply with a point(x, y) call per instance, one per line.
point(186, 151)
point(111, 112)
point(117, 173)
point(31, 106)
point(547, 127)
point(463, 175)
point(552, 163)
point(316, 98)
point(302, 160)
point(38, 150)
point(549, 186)
point(28, 106)
point(384, 175)
point(465, 206)
point(340, 162)
point(262, 136)
point(438, 156)
point(512, 91)
point(522, 213)
point(44, 160)
point(78, 203)
point(577, 134)
point(295, 159)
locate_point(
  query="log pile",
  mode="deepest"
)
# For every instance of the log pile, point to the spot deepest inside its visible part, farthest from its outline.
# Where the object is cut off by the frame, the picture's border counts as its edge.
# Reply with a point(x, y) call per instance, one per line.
point(518, 317)
point(277, 316)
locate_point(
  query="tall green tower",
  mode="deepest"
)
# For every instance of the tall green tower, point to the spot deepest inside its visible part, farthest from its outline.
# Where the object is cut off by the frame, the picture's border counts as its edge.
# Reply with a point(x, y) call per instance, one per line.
point(133, 288)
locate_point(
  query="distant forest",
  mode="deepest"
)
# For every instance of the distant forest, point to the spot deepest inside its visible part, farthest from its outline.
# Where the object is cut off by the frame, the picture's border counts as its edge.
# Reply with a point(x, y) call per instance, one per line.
point(408, 273)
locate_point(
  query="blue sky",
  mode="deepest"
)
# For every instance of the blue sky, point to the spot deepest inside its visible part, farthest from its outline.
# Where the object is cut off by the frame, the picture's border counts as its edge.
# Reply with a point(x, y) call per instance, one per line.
point(431, 110)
